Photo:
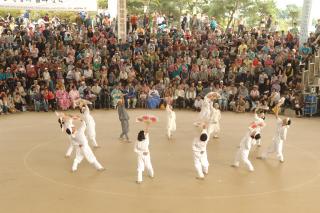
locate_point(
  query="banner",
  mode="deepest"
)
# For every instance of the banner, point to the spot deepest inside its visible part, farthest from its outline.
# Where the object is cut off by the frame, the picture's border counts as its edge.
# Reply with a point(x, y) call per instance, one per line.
point(63, 5)
point(305, 21)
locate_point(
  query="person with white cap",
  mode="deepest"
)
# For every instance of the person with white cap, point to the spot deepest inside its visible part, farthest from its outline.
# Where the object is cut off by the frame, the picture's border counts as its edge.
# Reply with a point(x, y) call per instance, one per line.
point(83, 150)
point(214, 121)
point(245, 147)
point(142, 149)
point(171, 120)
point(279, 138)
point(200, 158)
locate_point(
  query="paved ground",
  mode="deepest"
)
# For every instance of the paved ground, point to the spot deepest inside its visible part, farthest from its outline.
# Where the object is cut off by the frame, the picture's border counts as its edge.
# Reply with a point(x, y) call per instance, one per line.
point(35, 177)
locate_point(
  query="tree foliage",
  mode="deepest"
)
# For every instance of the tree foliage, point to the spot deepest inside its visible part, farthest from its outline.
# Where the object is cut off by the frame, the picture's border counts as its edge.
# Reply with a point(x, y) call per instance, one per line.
point(293, 13)
point(103, 4)
point(226, 11)
point(167, 7)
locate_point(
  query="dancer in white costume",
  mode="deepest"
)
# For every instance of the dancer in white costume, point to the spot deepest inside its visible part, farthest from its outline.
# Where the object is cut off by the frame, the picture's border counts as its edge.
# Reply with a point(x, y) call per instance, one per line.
point(244, 149)
point(259, 119)
point(91, 125)
point(206, 108)
point(279, 138)
point(80, 143)
point(171, 121)
point(142, 149)
point(200, 158)
point(65, 123)
point(214, 122)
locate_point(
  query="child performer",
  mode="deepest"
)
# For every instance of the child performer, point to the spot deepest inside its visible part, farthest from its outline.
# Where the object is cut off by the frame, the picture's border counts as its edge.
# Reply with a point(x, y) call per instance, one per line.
point(214, 122)
point(259, 119)
point(65, 123)
point(91, 125)
point(244, 149)
point(142, 149)
point(80, 143)
point(171, 121)
point(279, 137)
point(199, 148)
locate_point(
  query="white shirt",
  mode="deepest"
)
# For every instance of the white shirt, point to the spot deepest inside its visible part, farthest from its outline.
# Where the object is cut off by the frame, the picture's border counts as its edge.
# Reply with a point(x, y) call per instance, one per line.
point(191, 94)
point(246, 141)
point(171, 114)
point(215, 116)
point(198, 145)
point(179, 93)
point(198, 103)
point(96, 89)
point(281, 131)
point(142, 146)
point(79, 137)
point(123, 75)
point(87, 73)
point(46, 75)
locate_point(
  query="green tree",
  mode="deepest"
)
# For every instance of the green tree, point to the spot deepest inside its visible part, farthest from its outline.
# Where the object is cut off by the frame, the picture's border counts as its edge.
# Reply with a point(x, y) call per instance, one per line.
point(294, 13)
point(103, 4)
point(260, 9)
point(167, 7)
point(226, 10)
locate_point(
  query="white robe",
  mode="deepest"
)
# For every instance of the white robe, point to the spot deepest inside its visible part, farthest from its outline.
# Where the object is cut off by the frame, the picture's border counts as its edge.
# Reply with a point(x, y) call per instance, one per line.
point(214, 122)
point(171, 121)
point(68, 124)
point(91, 126)
point(83, 150)
point(144, 161)
point(206, 110)
point(277, 142)
point(244, 150)
point(200, 157)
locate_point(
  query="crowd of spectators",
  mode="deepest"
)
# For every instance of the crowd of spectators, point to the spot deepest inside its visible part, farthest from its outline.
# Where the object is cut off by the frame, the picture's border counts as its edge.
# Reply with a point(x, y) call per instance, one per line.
point(48, 64)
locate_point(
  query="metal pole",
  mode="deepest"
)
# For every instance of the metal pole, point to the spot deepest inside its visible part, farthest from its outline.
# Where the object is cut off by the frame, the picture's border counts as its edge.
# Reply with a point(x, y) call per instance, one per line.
point(305, 20)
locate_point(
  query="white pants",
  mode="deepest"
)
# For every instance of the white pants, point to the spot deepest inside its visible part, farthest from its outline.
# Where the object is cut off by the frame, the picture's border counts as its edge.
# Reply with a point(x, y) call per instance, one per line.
point(70, 149)
point(85, 151)
point(71, 146)
point(144, 161)
point(275, 147)
point(243, 154)
point(214, 129)
point(91, 133)
point(258, 142)
point(201, 163)
point(171, 127)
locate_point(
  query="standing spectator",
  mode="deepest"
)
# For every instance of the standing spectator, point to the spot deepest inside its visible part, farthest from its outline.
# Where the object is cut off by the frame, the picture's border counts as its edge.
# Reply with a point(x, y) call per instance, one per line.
point(134, 23)
point(213, 24)
point(124, 119)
